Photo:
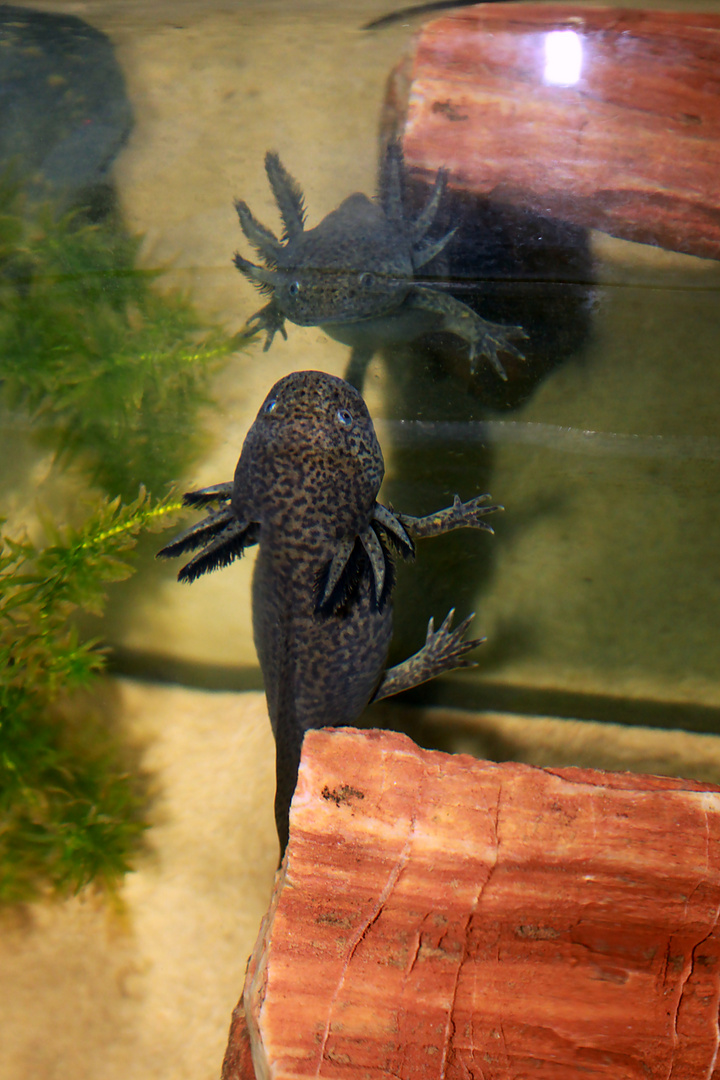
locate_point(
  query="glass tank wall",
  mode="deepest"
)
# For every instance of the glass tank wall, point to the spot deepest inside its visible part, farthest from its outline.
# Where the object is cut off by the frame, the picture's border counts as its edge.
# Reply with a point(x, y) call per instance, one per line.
point(599, 592)
point(124, 367)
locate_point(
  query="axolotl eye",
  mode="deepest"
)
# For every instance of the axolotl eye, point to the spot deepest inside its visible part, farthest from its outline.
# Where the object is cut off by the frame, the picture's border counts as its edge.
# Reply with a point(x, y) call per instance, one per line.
point(294, 288)
point(270, 405)
point(344, 418)
point(367, 280)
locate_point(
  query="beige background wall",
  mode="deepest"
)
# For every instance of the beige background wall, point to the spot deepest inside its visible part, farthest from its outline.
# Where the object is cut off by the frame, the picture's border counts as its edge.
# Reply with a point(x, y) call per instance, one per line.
point(146, 992)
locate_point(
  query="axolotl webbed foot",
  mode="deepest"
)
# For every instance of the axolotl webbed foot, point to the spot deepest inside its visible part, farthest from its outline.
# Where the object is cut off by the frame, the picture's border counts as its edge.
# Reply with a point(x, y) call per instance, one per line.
point(483, 337)
point(492, 338)
point(461, 515)
point(270, 319)
point(444, 650)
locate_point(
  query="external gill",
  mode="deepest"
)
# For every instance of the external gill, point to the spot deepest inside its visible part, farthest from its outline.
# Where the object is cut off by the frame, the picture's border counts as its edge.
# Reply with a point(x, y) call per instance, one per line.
point(428, 249)
point(262, 239)
point(397, 533)
point(227, 546)
point(423, 222)
point(220, 535)
point(339, 583)
point(288, 196)
point(262, 276)
point(368, 551)
point(199, 534)
point(221, 493)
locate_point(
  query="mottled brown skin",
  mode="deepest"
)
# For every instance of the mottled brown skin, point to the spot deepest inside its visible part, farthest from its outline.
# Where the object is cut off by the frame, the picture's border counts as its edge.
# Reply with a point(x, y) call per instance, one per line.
point(354, 274)
point(305, 490)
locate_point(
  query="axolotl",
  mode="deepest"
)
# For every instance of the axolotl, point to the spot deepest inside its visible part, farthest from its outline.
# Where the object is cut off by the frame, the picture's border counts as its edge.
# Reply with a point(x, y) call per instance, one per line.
point(355, 274)
point(305, 490)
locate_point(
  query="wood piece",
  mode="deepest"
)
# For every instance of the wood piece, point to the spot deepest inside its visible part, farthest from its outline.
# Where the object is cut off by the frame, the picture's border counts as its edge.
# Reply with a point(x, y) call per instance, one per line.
point(237, 1064)
point(443, 917)
point(631, 145)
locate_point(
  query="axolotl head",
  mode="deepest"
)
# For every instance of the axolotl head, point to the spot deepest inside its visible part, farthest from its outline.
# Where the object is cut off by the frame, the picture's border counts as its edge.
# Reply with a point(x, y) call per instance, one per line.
point(309, 471)
point(311, 451)
point(354, 265)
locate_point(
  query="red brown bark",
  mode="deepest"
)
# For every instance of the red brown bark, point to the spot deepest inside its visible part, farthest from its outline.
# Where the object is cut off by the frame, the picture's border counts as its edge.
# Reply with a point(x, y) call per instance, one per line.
point(631, 147)
point(443, 917)
point(237, 1064)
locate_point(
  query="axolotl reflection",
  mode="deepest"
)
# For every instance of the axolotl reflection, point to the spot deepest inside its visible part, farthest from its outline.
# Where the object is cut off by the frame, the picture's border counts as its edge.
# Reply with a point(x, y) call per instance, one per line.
point(355, 274)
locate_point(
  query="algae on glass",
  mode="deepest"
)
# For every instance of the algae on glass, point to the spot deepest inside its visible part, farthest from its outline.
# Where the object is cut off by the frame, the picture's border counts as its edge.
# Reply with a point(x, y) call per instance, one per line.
point(111, 374)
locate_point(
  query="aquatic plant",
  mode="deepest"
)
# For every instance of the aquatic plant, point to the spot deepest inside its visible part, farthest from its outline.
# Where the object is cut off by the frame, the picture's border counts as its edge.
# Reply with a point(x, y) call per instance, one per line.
point(108, 369)
point(111, 374)
point(70, 810)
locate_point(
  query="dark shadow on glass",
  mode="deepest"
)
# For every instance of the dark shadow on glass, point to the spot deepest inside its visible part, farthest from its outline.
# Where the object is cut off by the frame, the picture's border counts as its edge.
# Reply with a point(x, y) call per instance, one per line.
point(511, 267)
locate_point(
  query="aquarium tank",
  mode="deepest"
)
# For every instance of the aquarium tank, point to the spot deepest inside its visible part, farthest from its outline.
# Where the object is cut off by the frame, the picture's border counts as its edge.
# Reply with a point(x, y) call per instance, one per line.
point(505, 236)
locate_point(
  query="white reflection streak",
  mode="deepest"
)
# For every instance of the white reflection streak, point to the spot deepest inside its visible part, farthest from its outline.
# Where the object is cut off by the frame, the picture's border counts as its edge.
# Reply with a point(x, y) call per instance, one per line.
point(563, 58)
point(550, 437)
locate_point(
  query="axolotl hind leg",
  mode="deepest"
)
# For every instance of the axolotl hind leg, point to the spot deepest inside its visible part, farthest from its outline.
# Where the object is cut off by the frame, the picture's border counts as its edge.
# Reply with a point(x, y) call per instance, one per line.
point(444, 650)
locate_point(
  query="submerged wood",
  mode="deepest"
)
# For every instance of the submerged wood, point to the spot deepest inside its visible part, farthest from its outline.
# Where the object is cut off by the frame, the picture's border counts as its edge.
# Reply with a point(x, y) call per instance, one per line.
point(629, 144)
point(437, 916)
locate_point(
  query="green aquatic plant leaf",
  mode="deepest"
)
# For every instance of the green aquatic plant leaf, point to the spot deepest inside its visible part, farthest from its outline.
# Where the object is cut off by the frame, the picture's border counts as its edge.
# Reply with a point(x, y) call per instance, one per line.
point(71, 811)
point(110, 371)
point(112, 376)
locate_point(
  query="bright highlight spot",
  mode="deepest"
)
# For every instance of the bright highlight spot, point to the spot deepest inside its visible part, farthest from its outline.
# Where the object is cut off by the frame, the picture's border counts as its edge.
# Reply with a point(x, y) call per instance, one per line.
point(563, 57)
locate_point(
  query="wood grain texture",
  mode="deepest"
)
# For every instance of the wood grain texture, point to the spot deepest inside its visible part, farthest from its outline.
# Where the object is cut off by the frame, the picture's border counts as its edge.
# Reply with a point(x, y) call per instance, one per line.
point(237, 1063)
point(632, 147)
point(443, 917)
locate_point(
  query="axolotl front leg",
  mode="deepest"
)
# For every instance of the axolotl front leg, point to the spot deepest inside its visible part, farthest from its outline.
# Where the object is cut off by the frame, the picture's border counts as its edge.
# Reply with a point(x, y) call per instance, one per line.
point(444, 649)
point(483, 337)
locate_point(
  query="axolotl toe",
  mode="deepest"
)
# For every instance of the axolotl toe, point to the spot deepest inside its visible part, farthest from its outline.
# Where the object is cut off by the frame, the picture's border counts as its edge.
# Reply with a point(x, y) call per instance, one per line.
point(355, 274)
point(305, 491)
